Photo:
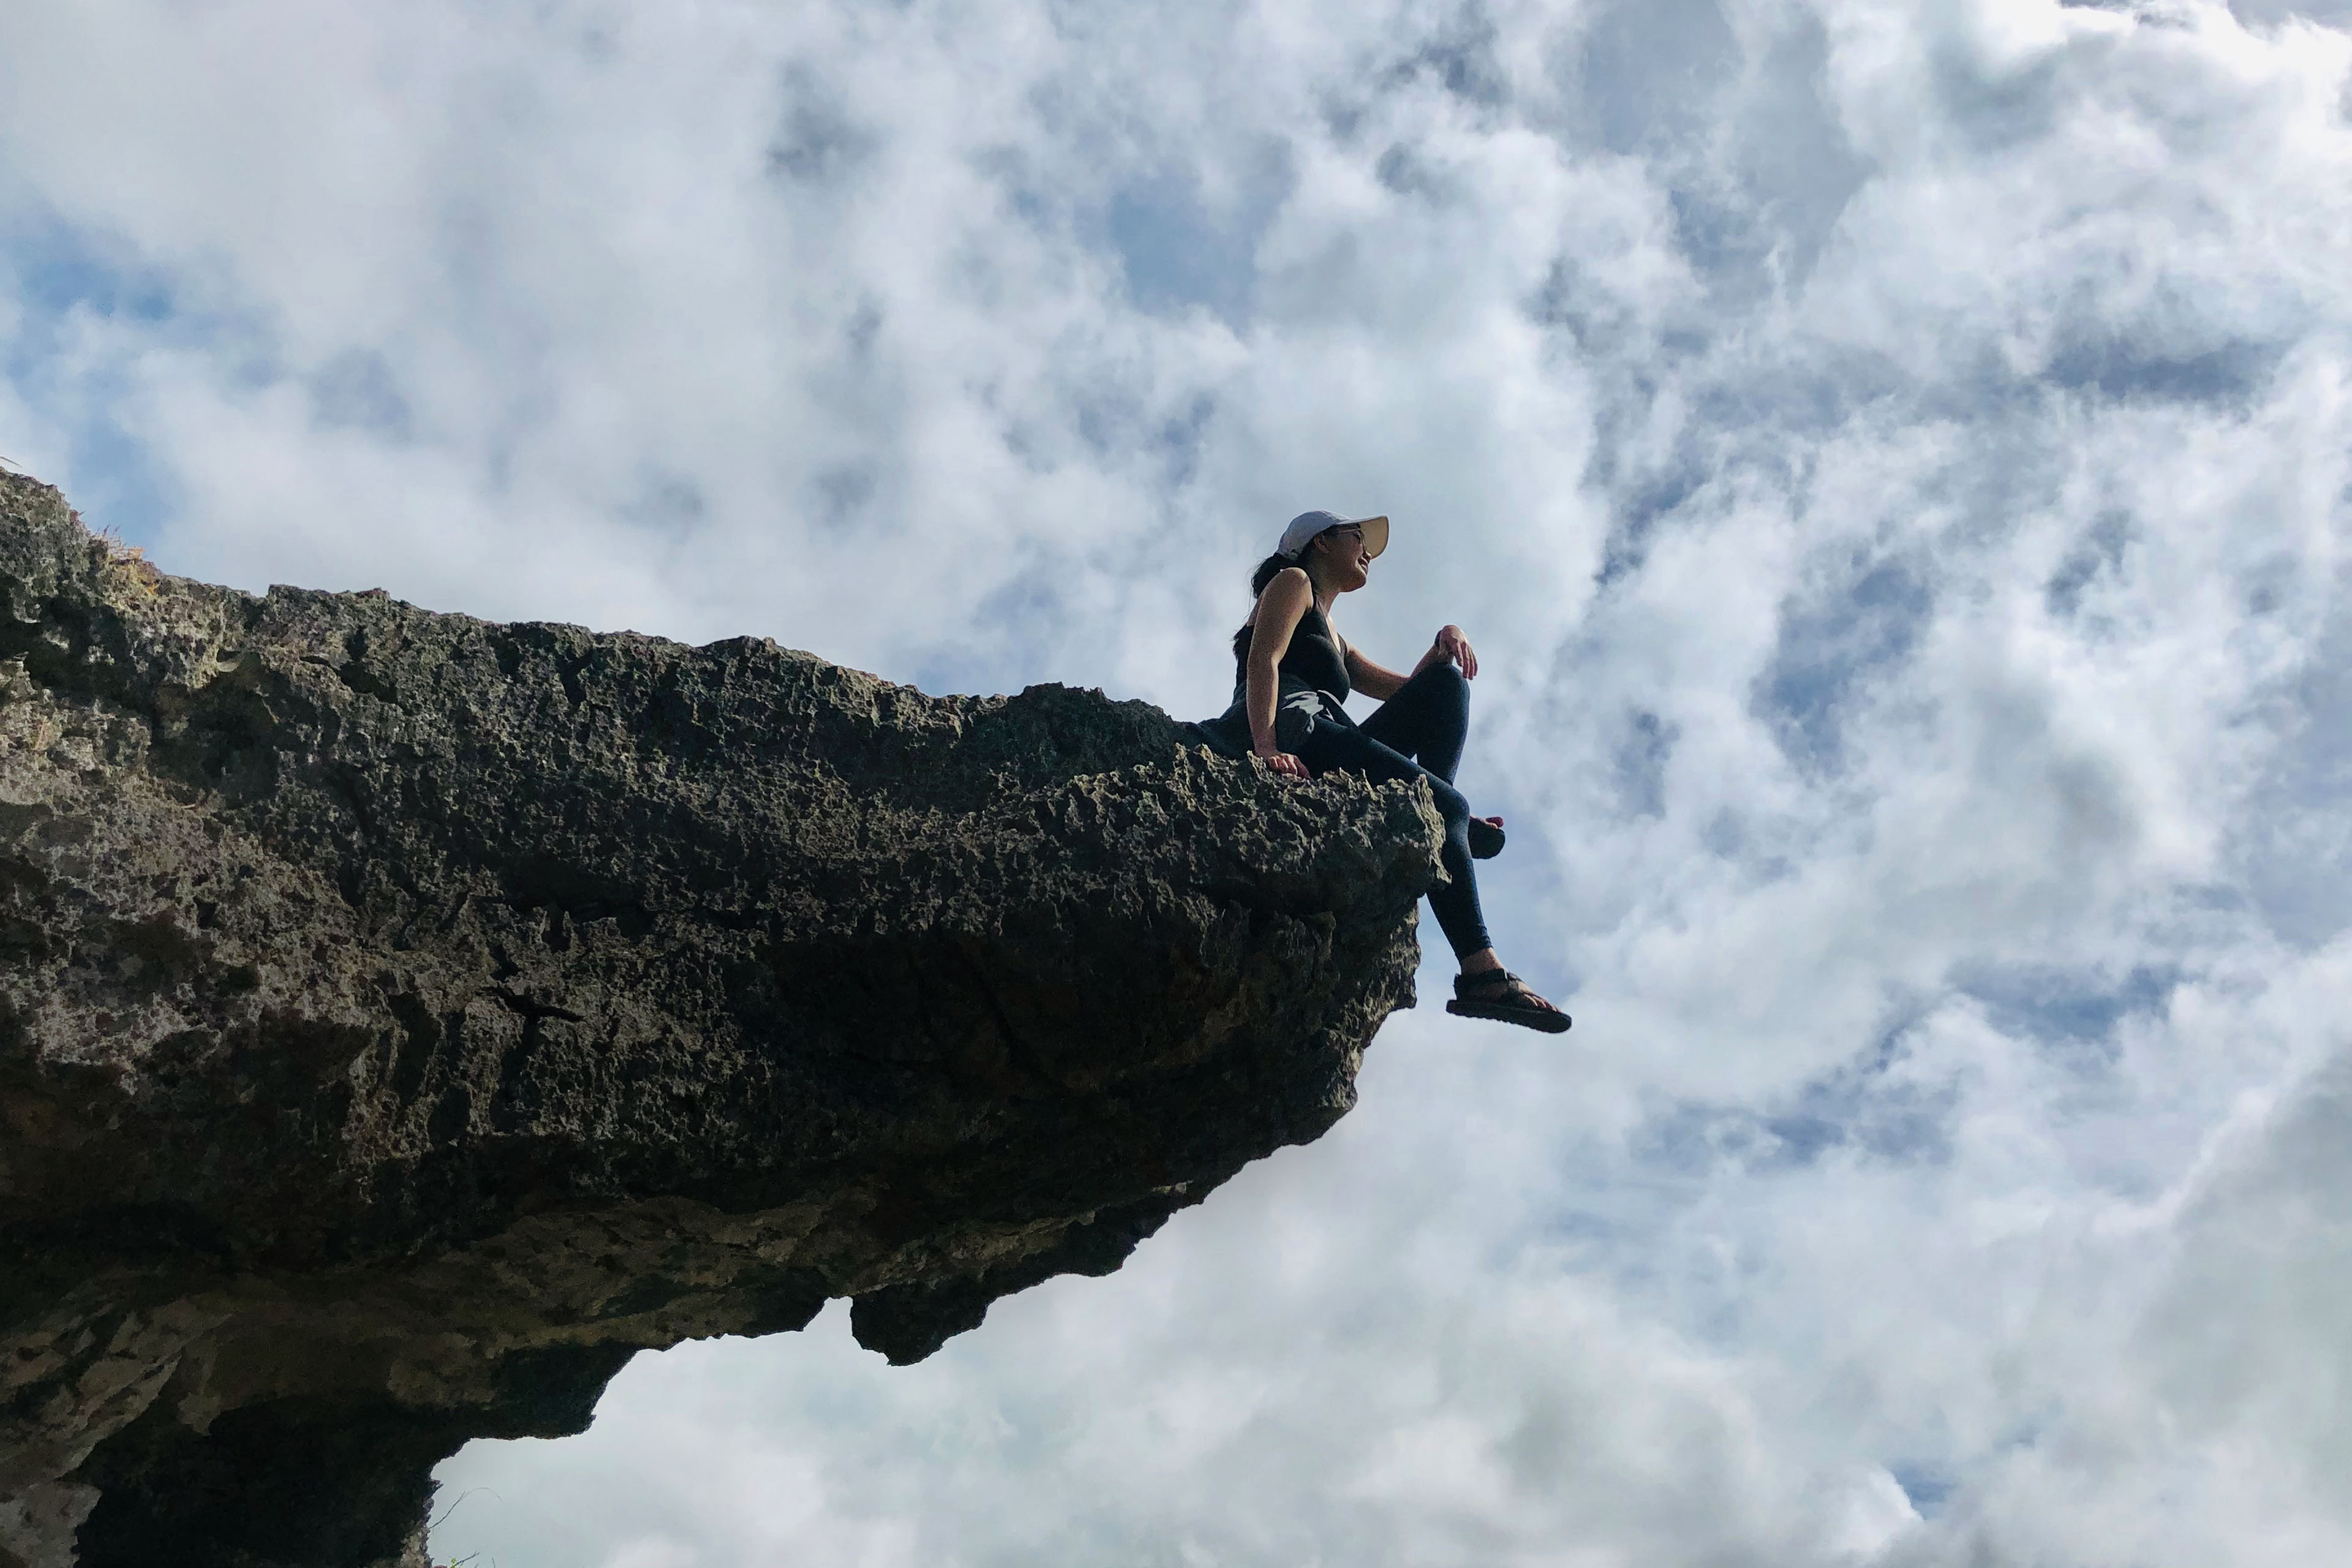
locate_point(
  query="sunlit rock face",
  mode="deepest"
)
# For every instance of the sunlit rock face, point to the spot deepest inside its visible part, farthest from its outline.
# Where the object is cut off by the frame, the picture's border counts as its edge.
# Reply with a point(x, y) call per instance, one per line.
point(404, 1019)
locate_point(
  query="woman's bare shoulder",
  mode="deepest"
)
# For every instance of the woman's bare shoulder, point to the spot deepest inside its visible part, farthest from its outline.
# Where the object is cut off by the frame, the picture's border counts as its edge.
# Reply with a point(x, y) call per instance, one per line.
point(1290, 583)
point(1289, 588)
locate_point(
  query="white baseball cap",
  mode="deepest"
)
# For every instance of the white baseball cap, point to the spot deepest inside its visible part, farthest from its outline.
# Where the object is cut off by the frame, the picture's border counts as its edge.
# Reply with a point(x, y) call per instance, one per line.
point(1307, 524)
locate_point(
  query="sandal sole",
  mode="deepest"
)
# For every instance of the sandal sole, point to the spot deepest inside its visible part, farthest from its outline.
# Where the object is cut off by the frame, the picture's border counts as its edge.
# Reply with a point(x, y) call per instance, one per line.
point(1526, 1017)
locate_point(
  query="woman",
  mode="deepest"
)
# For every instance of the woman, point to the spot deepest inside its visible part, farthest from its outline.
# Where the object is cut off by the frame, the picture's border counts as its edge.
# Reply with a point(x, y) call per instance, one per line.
point(1292, 673)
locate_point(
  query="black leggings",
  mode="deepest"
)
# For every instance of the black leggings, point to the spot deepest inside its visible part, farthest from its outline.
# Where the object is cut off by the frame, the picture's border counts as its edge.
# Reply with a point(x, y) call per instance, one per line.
point(1418, 734)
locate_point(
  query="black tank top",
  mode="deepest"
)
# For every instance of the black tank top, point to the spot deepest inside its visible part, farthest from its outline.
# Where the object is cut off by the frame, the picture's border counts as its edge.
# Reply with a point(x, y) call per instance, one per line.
point(1313, 656)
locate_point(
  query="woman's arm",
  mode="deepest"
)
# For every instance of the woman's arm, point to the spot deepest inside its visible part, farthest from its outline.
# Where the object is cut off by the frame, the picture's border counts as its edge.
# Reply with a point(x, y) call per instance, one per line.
point(1373, 679)
point(1377, 681)
point(1279, 609)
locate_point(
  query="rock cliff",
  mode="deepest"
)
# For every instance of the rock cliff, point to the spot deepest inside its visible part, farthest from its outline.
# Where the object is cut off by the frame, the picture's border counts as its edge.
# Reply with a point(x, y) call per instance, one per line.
point(405, 1019)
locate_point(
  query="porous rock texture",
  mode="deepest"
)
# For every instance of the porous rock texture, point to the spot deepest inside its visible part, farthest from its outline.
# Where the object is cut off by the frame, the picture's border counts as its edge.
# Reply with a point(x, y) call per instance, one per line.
point(405, 1019)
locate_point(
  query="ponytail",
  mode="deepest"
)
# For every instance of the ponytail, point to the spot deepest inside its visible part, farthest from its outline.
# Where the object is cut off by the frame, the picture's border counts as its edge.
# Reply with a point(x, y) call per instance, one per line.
point(1267, 570)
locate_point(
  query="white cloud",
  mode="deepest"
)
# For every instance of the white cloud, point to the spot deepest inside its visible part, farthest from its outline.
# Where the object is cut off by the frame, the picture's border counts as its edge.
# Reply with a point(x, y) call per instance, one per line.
point(1892, 458)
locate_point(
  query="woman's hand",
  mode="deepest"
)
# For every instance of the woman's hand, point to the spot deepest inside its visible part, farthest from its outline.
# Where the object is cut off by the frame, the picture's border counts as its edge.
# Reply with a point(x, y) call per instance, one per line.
point(1452, 644)
point(1285, 763)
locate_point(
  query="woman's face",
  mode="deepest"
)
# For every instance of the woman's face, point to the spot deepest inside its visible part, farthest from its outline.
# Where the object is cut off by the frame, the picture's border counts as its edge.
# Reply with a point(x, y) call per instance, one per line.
point(1344, 556)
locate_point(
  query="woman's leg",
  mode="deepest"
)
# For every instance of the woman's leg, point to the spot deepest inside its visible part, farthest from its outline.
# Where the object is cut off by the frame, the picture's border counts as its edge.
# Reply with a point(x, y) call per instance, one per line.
point(1485, 989)
point(1427, 719)
point(1456, 903)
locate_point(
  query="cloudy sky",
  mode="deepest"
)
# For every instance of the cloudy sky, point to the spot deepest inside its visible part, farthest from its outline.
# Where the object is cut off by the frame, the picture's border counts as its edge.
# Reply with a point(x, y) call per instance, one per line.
point(1892, 457)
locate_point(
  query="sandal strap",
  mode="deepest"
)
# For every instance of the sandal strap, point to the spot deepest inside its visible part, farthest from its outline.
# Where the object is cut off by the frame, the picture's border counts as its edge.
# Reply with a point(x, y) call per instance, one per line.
point(1501, 988)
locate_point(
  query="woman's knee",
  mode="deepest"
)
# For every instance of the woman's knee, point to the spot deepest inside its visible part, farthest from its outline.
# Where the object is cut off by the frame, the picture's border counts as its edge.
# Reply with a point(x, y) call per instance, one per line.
point(1446, 677)
point(1447, 698)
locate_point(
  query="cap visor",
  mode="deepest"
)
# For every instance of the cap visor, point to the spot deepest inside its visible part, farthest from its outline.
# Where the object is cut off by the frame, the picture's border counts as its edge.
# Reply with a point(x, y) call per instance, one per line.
point(1376, 533)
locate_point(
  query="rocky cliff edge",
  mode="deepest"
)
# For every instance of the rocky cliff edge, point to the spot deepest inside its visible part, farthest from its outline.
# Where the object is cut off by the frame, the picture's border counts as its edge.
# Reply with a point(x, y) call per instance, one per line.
point(405, 1019)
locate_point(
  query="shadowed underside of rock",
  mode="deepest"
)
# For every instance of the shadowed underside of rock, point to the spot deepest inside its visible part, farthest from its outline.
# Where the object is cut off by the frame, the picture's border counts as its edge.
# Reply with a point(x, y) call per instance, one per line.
point(405, 1018)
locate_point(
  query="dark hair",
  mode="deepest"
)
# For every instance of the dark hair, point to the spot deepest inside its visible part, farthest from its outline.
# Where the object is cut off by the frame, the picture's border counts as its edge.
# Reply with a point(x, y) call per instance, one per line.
point(1270, 568)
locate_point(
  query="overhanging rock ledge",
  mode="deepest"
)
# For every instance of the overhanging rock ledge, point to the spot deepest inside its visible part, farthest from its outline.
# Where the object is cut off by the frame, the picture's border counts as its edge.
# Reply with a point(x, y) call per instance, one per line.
point(404, 1019)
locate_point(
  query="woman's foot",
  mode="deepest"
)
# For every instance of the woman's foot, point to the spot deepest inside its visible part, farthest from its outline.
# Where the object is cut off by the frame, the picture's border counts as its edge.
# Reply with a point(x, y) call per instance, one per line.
point(1499, 995)
point(1486, 838)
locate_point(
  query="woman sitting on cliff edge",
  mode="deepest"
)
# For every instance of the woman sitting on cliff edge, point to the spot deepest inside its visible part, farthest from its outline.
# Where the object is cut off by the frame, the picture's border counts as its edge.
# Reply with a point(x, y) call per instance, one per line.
point(1292, 673)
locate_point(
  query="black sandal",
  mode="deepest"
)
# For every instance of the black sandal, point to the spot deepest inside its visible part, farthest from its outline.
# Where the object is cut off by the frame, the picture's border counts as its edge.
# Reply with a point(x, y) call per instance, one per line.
point(1506, 1000)
point(1486, 839)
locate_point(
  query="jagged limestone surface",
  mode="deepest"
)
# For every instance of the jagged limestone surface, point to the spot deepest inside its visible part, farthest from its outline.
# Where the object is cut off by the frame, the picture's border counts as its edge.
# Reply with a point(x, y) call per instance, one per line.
point(405, 1018)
